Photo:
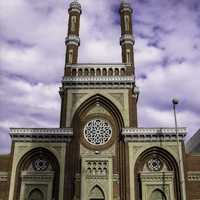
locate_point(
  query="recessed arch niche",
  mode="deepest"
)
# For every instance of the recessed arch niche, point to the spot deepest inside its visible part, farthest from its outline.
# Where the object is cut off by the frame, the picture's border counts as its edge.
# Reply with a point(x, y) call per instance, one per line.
point(26, 161)
point(171, 167)
point(96, 193)
point(157, 194)
point(36, 194)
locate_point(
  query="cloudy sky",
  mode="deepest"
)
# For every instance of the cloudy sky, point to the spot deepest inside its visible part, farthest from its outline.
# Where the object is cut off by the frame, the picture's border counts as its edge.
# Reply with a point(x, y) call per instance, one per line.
point(167, 58)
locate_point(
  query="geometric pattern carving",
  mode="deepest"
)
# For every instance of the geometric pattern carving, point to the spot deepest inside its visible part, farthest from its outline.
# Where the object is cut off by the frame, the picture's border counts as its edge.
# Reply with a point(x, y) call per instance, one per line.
point(97, 131)
point(40, 164)
point(97, 168)
point(154, 164)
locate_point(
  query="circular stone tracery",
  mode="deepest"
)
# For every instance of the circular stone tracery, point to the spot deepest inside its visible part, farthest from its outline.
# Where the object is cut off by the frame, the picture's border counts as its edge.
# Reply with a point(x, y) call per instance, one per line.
point(40, 164)
point(154, 164)
point(97, 131)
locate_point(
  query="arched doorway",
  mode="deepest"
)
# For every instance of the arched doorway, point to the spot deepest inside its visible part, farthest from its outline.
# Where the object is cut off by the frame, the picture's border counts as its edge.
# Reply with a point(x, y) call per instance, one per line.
point(37, 161)
point(96, 194)
point(36, 194)
point(159, 166)
point(158, 195)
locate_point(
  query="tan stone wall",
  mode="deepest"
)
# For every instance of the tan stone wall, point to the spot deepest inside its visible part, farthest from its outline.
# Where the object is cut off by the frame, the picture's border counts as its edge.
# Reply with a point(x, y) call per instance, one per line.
point(21, 148)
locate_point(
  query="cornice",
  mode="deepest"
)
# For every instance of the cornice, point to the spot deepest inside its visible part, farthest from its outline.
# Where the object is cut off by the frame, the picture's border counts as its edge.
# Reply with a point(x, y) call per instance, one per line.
point(75, 7)
point(33, 175)
point(3, 177)
point(156, 177)
point(127, 39)
point(72, 39)
point(98, 82)
point(193, 176)
point(99, 65)
point(125, 7)
point(153, 134)
point(41, 134)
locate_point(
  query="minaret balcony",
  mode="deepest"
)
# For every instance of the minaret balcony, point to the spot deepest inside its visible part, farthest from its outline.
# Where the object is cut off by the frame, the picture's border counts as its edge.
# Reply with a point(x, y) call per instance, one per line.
point(91, 69)
point(99, 74)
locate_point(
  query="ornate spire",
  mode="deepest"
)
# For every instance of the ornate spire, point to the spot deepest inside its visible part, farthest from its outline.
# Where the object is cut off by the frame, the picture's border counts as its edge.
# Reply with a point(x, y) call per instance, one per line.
point(72, 40)
point(126, 40)
point(75, 4)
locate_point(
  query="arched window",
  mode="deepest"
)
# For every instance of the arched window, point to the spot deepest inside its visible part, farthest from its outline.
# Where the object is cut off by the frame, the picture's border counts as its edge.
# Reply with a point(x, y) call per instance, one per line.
point(128, 56)
point(73, 23)
point(96, 194)
point(70, 56)
point(127, 22)
point(36, 194)
point(158, 195)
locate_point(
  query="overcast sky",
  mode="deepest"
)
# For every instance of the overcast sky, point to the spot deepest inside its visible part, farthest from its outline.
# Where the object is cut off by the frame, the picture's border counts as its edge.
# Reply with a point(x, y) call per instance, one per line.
point(167, 58)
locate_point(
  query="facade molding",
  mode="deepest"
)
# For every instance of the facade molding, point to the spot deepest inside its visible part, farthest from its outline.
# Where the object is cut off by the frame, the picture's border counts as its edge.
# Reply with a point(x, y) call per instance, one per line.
point(125, 7)
point(157, 176)
point(41, 134)
point(193, 176)
point(89, 80)
point(75, 7)
point(3, 177)
point(153, 134)
point(72, 39)
point(127, 39)
point(32, 175)
point(99, 65)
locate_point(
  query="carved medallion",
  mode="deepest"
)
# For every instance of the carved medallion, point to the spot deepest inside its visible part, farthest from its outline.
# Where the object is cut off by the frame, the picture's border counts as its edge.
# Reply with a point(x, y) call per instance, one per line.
point(154, 164)
point(97, 131)
point(40, 164)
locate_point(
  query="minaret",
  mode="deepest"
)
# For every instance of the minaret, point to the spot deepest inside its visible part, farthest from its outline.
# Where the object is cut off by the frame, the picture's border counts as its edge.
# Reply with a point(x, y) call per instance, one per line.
point(126, 40)
point(72, 40)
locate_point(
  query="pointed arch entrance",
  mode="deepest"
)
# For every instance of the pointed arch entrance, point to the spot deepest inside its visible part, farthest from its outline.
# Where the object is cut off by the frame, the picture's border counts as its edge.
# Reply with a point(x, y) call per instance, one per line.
point(158, 195)
point(96, 193)
point(36, 194)
point(97, 107)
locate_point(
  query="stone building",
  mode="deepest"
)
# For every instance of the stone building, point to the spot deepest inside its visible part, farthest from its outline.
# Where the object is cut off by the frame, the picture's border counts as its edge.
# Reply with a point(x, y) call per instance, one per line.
point(99, 152)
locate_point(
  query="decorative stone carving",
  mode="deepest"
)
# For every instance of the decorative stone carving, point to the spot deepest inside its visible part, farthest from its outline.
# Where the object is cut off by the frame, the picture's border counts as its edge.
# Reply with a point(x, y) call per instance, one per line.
point(153, 134)
point(40, 164)
point(194, 176)
point(3, 176)
point(154, 164)
point(97, 131)
point(97, 168)
point(41, 134)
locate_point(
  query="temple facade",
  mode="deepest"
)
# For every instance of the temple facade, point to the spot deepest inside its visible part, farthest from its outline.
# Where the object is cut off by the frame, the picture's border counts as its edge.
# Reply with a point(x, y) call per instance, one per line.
point(99, 152)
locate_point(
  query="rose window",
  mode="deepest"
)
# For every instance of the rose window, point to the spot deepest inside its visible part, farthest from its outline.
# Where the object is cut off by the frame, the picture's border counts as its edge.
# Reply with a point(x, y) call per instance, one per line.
point(154, 164)
point(97, 131)
point(40, 164)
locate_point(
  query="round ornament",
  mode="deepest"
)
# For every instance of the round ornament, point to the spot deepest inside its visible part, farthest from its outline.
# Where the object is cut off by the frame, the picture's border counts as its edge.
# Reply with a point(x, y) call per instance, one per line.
point(40, 164)
point(97, 131)
point(154, 164)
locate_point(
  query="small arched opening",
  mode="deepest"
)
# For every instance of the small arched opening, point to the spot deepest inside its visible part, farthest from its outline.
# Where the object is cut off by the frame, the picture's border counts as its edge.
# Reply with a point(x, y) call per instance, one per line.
point(36, 194)
point(158, 195)
point(35, 162)
point(96, 193)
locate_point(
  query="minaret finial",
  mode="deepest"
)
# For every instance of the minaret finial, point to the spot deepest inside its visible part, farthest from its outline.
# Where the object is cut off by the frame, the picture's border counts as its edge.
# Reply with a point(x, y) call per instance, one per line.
point(72, 40)
point(126, 40)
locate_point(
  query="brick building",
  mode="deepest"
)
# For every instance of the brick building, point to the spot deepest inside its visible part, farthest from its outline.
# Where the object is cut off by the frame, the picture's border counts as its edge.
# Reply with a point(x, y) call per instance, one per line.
point(99, 152)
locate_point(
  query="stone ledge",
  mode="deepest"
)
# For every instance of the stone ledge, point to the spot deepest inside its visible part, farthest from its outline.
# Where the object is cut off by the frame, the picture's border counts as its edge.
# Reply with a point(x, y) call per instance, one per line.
point(3, 177)
point(193, 176)
point(41, 134)
point(153, 134)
